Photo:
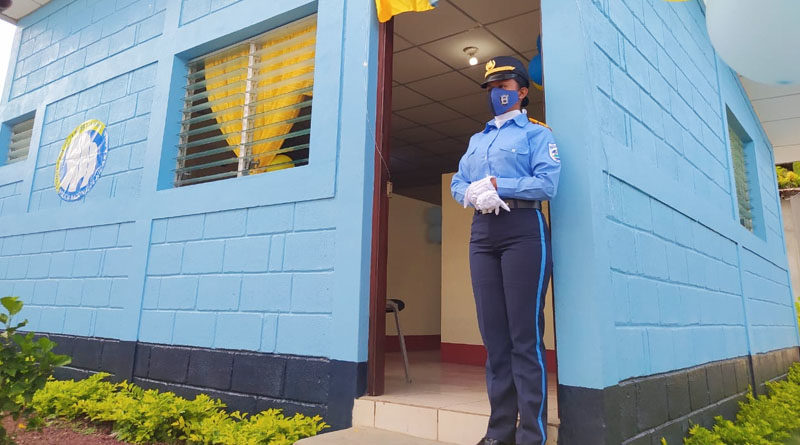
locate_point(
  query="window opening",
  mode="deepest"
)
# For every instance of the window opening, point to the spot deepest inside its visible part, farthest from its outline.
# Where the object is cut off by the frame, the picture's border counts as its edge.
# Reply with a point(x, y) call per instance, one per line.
point(742, 170)
point(20, 141)
point(247, 108)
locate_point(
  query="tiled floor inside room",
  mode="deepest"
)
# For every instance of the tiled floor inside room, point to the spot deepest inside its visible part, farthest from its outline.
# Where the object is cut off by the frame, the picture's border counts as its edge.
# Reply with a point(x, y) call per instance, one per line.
point(445, 401)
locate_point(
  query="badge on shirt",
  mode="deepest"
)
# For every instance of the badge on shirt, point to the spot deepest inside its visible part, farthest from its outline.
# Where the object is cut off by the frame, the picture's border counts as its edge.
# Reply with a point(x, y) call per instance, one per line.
point(554, 152)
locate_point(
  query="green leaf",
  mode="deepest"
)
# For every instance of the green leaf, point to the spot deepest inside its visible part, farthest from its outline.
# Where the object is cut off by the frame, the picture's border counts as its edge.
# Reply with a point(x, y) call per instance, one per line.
point(12, 304)
point(61, 360)
point(45, 344)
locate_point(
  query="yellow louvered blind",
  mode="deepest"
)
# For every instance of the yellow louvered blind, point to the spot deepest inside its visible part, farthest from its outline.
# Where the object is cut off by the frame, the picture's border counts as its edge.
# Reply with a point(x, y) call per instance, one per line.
point(248, 107)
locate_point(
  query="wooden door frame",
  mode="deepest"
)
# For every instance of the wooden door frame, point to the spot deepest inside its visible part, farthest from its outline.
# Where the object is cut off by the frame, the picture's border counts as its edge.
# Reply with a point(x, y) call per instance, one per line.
point(380, 214)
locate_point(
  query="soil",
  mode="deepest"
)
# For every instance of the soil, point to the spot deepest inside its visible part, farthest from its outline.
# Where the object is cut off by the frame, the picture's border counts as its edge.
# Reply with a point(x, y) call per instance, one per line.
point(61, 433)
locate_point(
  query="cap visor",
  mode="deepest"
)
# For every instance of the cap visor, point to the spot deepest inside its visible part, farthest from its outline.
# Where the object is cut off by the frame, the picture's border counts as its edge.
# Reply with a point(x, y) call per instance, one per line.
point(497, 76)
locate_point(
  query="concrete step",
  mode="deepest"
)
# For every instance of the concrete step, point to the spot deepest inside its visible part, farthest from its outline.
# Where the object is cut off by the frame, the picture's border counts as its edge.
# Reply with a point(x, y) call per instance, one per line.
point(365, 436)
point(442, 424)
point(373, 436)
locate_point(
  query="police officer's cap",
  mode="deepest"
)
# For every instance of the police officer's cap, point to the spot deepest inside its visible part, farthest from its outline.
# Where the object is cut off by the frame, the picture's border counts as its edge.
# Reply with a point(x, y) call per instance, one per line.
point(505, 67)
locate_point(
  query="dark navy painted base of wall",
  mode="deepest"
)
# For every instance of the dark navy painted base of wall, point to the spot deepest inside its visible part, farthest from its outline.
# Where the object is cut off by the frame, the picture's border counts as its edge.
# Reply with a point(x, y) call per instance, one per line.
point(90, 355)
point(641, 411)
point(243, 380)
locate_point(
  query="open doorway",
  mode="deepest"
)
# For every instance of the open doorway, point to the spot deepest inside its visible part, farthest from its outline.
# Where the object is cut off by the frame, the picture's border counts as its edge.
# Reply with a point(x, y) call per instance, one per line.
point(435, 105)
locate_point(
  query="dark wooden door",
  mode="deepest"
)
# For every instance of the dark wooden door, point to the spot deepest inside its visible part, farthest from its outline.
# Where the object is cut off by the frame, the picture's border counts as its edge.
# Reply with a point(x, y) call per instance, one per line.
point(380, 214)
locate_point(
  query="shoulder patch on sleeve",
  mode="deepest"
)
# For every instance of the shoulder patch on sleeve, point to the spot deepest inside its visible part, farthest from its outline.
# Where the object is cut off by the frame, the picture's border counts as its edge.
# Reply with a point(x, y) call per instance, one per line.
point(553, 150)
point(534, 121)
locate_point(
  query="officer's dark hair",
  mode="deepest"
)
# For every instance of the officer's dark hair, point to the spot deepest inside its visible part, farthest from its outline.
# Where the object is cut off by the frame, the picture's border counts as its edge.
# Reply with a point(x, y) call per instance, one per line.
point(520, 82)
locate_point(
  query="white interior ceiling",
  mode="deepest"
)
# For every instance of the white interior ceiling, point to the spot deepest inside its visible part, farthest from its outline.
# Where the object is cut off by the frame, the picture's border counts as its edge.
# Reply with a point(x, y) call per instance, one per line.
point(437, 101)
point(21, 8)
point(778, 108)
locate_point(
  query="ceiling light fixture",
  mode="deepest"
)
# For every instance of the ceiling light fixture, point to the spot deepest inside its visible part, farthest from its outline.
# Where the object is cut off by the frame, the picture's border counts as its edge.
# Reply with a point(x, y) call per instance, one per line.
point(471, 51)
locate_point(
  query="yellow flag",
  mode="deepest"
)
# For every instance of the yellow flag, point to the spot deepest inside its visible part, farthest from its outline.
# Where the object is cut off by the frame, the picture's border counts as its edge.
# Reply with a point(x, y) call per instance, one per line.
point(389, 8)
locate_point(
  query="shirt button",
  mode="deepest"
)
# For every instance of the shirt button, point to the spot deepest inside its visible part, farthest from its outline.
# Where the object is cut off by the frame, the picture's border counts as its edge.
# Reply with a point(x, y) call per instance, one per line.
point(513, 150)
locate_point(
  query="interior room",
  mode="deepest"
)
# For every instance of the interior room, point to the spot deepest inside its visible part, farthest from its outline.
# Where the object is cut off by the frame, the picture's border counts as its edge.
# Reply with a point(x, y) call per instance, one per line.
point(437, 103)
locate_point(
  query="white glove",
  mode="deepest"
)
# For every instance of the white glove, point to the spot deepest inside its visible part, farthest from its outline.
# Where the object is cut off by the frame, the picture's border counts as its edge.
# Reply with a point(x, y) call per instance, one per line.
point(489, 201)
point(475, 189)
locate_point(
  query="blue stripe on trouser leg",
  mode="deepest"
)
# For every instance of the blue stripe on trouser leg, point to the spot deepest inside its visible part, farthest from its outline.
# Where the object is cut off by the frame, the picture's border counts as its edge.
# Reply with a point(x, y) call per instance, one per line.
point(510, 267)
point(542, 268)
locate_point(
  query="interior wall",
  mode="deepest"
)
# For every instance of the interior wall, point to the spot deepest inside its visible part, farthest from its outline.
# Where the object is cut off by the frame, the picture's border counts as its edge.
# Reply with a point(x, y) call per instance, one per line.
point(459, 319)
point(791, 231)
point(431, 193)
point(413, 268)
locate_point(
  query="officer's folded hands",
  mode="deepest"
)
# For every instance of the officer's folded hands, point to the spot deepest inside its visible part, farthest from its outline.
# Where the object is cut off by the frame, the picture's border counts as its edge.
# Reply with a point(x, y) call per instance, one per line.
point(489, 201)
point(483, 196)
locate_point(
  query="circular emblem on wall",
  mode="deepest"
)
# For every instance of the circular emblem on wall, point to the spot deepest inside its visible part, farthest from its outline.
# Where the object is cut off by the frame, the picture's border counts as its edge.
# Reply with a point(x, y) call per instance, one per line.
point(81, 160)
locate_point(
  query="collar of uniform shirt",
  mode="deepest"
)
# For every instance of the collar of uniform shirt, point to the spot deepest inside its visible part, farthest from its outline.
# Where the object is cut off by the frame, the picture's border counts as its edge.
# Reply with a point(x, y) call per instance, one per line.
point(514, 115)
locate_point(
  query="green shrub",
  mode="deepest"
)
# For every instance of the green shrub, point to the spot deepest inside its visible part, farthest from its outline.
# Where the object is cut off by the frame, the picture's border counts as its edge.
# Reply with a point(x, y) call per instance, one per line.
point(25, 365)
point(797, 310)
point(765, 420)
point(140, 416)
point(788, 178)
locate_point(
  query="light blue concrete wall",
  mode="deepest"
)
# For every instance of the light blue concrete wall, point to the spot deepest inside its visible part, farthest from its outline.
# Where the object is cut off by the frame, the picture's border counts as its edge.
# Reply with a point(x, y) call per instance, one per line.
point(74, 281)
point(665, 276)
point(276, 262)
point(192, 10)
point(229, 279)
point(10, 197)
point(78, 34)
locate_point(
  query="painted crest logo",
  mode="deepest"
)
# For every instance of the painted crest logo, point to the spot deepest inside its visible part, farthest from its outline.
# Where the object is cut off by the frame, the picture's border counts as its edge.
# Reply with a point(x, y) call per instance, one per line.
point(553, 149)
point(81, 160)
point(504, 99)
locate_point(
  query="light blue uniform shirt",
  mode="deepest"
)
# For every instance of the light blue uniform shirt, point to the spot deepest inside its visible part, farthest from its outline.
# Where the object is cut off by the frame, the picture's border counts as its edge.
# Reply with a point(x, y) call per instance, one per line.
point(520, 154)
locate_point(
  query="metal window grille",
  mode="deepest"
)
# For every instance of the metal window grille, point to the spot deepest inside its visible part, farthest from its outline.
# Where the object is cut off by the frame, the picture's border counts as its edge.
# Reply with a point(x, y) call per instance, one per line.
point(247, 108)
point(740, 177)
point(20, 141)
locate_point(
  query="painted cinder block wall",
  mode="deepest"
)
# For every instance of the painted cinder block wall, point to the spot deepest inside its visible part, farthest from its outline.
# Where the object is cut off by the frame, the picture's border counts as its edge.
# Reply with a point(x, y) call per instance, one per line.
point(681, 306)
point(149, 280)
point(255, 287)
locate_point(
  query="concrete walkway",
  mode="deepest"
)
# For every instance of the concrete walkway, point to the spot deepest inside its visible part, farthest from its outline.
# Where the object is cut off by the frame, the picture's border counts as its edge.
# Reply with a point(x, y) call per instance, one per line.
point(365, 436)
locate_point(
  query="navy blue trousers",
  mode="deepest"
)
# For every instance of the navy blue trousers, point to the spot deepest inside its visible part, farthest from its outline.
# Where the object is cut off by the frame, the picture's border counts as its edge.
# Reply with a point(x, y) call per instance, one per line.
point(510, 265)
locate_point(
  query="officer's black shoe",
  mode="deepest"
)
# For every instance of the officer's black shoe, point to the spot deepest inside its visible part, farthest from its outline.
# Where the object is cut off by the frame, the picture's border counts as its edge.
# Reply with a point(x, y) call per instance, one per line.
point(489, 441)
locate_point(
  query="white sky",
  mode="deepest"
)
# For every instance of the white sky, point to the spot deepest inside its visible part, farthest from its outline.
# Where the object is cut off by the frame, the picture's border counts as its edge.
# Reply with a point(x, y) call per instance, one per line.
point(6, 40)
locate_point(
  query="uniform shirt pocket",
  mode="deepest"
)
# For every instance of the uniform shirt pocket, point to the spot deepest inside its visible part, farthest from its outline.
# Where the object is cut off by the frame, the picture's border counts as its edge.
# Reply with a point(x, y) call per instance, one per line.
point(521, 148)
point(513, 157)
point(516, 144)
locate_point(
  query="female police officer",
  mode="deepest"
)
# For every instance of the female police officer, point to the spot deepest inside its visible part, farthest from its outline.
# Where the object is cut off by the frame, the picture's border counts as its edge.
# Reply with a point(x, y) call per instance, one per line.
point(507, 170)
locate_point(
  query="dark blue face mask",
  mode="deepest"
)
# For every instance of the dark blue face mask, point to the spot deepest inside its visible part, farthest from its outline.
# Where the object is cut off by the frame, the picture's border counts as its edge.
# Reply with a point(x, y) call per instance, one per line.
point(502, 100)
